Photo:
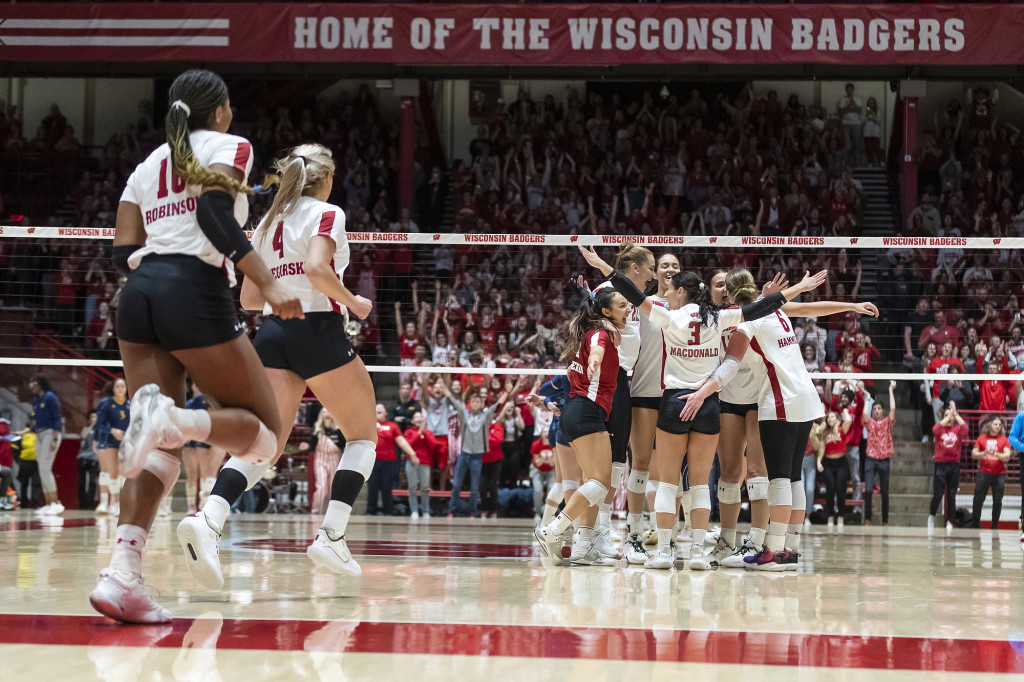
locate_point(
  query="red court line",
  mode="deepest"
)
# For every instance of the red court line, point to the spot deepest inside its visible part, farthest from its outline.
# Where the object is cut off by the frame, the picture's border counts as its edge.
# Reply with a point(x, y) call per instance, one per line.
point(443, 550)
point(526, 641)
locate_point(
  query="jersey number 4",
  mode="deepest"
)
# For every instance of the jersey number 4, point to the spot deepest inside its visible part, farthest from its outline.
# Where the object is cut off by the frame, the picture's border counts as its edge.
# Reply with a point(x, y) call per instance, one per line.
point(278, 241)
point(177, 184)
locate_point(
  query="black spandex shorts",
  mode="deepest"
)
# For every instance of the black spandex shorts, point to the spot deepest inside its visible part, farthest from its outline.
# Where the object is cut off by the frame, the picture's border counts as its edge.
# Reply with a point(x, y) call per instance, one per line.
point(738, 409)
point(646, 403)
point(582, 417)
point(707, 419)
point(556, 434)
point(620, 421)
point(784, 445)
point(177, 302)
point(309, 347)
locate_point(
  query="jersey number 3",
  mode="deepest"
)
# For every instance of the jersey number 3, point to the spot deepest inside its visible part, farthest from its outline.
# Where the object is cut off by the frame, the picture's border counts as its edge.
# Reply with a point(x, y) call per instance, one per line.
point(177, 184)
point(694, 333)
point(278, 242)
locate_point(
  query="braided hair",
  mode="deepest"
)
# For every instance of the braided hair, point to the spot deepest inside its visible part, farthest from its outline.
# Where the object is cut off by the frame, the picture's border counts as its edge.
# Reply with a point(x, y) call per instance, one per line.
point(699, 293)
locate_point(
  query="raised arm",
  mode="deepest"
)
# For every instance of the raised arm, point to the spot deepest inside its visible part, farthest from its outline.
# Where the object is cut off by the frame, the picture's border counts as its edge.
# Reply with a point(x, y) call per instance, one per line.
point(820, 308)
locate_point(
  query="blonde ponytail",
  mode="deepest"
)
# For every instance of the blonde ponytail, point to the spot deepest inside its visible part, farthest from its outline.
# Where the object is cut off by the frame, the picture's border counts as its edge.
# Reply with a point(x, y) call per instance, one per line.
point(302, 172)
point(740, 286)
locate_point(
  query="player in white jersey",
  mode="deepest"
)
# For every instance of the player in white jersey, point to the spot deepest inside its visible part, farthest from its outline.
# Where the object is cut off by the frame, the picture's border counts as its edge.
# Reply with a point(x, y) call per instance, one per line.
point(636, 263)
point(645, 398)
point(302, 239)
point(692, 331)
point(787, 405)
point(176, 238)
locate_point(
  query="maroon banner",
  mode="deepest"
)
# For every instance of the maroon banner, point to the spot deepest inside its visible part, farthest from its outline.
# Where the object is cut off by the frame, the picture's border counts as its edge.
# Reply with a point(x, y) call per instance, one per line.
point(514, 35)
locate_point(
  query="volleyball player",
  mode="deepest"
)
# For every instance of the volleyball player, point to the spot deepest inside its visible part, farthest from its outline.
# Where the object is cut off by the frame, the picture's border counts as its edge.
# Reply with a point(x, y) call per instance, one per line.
point(692, 328)
point(592, 354)
point(112, 416)
point(787, 406)
point(637, 264)
point(202, 462)
point(645, 398)
point(178, 239)
point(551, 396)
point(302, 239)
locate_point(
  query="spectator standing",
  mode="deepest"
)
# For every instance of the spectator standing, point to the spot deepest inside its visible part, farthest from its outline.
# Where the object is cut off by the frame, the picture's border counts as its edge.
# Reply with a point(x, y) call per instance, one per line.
point(47, 427)
point(87, 461)
point(542, 472)
point(941, 365)
point(879, 452)
point(326, 444)
point(381, 484)
point(949, 438)
point(1016, 441)
point(914, 326)
point(960, 391)
point(833, 465)
point(418, 468)
point(438, 411)
point(993, 449)
point(402, 413)
point(474, 430)
point(851, 109)
point(995, 395)
point(491, 466)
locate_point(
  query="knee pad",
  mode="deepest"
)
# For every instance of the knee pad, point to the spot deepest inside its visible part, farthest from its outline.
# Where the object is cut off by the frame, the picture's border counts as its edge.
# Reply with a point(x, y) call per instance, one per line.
point(651, 487)
point(637, 482)
point(104, 480)
point(700, 497)
point(757, 488)
point(728, 493)
point(594, 491)
point(618, 469)
point(665, 500)
point(568, 486)
point(555, 494)
point(165, 466)
point(252, 472)
point(262, 451)
point(115, 485)
point(799, 496)
point(359, 456)
point(780, 492)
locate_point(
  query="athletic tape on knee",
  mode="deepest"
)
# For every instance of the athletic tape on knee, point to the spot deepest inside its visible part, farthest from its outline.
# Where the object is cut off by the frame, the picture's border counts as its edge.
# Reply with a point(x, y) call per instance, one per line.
point(700, 497)
point(728, 493)
point(104, 480)
point(637, 482)
point(594, 491)
point(651, 487)
point(165, 467)
point(115, 484)
point(799, 496)
point(618, 469)
point(555, 493)
point(757, 488)
point(665, 500)
point(569, 485)
point(252, 472)
point(262, 451)
point(359, 456)
point(780, 492)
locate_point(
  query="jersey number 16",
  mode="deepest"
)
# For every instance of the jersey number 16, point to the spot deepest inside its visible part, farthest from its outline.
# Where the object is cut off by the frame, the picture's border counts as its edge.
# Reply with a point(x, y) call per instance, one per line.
point(177, 184)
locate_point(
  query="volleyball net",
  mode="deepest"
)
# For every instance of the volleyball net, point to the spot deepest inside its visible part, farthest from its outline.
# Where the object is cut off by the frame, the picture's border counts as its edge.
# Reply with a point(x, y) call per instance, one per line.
point(486, 309)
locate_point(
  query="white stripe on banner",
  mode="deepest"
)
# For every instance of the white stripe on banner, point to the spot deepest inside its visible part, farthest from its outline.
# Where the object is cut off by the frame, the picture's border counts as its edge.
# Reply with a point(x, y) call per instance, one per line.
point(393, 369)
point(115, 41)
point(667, 241)
point(107, 24)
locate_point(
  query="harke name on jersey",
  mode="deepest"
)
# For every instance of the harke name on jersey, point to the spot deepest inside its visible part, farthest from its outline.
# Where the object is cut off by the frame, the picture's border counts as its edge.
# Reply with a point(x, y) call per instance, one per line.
point(787, 341)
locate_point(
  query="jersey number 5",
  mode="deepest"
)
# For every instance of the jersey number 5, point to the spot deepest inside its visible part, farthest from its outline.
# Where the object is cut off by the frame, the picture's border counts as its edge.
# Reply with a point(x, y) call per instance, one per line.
point(177, 184)
point(278, 242)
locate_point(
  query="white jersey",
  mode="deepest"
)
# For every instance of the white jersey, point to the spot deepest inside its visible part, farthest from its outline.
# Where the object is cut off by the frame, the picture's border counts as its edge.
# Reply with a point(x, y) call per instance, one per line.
point(693, 351)
point(168, 205)
point(787, 393)
point(651, 359)
point(629, 346)
point(285, 245)
point(744, 388)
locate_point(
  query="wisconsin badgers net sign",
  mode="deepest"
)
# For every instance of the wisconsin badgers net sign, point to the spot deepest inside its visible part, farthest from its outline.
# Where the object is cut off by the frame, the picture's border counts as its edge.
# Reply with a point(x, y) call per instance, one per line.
point(510, 35)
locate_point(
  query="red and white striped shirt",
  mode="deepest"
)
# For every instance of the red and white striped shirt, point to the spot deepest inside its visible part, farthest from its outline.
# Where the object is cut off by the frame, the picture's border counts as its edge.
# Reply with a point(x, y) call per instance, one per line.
point(602, 389)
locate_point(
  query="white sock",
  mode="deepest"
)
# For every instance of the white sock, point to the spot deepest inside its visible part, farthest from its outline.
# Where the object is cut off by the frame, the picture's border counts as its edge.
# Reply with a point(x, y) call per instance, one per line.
point(104, 499)
point(558, 526)
point(604, 516)
point(585, 535)
point(635, 522)
point(698, 538)
point(193, 424)
point(129, 544)
point(776, 539)
point(729, 535)
point(216, 510)
point(190, 493)
point(756, 536)
point(336, 518)
point(665, 537)
point(793, 537)
point(549, 513)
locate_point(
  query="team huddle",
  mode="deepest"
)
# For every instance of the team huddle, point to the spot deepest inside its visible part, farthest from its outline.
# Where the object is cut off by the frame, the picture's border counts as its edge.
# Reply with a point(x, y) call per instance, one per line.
point(695, 388)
